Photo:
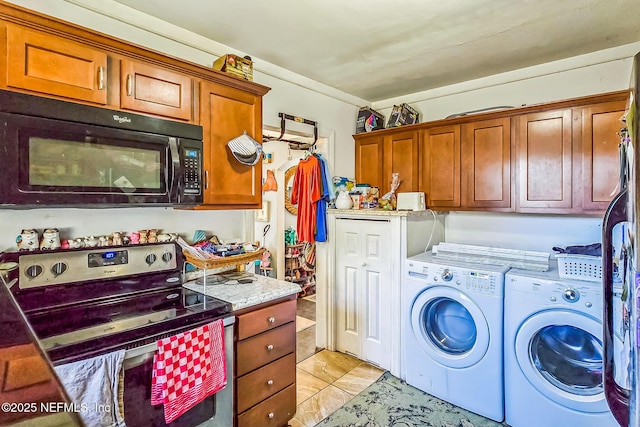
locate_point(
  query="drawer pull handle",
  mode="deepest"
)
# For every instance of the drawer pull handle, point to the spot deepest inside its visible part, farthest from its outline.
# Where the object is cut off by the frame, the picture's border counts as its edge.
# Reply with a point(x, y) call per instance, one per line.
point(270, 347)
point(270, 382)
point(271, 415)
point(272, 320)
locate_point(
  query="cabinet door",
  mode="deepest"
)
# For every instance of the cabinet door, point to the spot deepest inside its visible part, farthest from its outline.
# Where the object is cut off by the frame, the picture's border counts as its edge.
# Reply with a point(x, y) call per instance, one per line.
point(154, 90)
point(545, 160)
point(363, 272)
point(369, 160)
point(440, 166)
point(486, 164)
point(599, 155)
point(400, 153)
point(53, 65)
point(225, 114)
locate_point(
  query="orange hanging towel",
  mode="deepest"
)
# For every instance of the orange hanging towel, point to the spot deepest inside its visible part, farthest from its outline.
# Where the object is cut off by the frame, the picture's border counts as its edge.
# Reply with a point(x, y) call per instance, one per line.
point(305, 193)
point(270, 184)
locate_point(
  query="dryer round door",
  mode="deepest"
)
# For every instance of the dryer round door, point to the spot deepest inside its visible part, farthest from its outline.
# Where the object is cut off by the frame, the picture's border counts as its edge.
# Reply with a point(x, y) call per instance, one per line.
point(560, 353)
point(450, 327)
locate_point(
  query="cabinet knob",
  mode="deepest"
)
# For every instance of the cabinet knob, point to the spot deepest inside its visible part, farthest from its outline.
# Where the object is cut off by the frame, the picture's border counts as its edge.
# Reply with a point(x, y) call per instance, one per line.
point(271, 415)
point(364, 264)
point(270, 347)
point(272, 320)
point(270, 382)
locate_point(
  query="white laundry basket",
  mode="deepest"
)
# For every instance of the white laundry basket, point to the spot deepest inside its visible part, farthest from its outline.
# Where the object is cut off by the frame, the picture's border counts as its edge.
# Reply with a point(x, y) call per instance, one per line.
point(580, 267)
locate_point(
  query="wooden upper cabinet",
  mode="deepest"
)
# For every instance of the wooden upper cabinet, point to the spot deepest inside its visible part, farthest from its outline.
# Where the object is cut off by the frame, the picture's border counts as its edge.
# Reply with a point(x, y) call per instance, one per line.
point(440, 166)
point(369, 160)
point(600, 160)
point(53, 65)
point(400, 153)
point(149, 89)
point(225, 113)
point(545, 160)
point(486, 164)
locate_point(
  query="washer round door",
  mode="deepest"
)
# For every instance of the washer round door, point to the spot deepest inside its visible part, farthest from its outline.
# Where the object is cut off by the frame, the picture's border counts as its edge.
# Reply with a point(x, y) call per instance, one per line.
point(450, 327)
point(560, 353)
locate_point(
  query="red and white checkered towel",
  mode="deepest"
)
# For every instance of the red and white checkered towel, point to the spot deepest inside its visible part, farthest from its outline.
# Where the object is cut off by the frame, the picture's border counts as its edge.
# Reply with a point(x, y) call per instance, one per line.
point(187, 368)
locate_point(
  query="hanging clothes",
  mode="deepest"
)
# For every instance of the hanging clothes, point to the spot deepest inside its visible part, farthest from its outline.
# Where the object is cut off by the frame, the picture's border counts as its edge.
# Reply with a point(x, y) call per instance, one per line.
point(305, 193)
point(327, 194)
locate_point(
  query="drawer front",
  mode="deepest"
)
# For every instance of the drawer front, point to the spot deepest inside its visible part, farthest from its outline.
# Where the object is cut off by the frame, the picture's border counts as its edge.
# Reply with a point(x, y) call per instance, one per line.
point(266, 381)
point(257, 351)
point(266, 318)
point(275, 411)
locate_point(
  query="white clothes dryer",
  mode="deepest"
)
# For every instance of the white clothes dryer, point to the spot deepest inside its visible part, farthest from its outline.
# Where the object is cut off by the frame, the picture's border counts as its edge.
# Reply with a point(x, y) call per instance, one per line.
point(553, 351)
point(452, 332)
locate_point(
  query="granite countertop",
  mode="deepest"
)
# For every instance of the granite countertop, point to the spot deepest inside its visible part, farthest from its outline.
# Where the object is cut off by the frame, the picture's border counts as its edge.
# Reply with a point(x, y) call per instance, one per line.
point(242, 295)
point(377, 212)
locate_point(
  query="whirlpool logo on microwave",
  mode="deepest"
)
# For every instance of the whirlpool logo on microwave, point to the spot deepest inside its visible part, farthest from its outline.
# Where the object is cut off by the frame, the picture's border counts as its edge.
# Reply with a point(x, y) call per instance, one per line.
point(119, 119)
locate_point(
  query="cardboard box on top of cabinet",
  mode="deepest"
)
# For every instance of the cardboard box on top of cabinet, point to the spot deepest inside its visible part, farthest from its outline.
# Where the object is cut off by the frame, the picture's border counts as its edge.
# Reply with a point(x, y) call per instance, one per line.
point(368, 120)
point(403, 114)
point(235, 65)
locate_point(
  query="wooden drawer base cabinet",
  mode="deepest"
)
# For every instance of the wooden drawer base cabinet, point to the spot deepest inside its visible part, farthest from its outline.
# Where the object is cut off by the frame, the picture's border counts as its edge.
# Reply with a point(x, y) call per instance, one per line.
point(275, 411)
point(266, 365)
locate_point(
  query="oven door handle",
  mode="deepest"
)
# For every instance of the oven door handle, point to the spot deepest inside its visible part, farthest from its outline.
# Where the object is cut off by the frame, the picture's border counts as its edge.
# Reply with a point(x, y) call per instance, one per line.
point(137, 356)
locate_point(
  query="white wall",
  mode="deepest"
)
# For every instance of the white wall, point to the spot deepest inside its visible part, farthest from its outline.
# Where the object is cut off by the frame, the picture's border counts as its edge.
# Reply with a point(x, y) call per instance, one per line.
point(335, 114)
point(528, 232)
point(74, 223)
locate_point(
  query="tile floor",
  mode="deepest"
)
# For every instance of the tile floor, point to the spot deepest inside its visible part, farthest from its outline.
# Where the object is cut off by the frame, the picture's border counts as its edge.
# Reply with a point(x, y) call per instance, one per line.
point(326, 380)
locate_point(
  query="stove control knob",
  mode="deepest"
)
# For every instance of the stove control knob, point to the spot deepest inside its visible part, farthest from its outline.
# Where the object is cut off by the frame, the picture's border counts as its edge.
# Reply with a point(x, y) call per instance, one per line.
point(571, 295)
point(150, 259)
point(167, 256)
point(59, 268)
point(446, 275)
point(33, 271)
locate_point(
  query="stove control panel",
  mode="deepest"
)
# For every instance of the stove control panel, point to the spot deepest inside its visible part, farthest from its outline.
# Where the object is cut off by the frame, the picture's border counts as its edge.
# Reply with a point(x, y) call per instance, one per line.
point(55, 268)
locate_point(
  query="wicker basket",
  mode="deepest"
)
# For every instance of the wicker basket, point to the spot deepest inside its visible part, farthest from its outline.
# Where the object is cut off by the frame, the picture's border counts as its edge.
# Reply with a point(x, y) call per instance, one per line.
point(580, 267)
point(230, 261)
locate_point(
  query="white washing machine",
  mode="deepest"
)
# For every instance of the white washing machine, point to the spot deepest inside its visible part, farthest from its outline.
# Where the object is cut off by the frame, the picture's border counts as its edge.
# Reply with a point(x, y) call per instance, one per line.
point(452, 332)
point(553, 351)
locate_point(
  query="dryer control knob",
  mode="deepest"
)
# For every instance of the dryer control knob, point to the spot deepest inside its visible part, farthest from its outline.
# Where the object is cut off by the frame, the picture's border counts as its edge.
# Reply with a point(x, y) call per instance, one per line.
point(447, 275)
point(571, 295)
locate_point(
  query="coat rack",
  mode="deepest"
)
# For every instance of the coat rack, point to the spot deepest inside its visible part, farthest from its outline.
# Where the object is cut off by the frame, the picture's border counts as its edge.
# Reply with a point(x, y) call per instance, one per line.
point(295, 145)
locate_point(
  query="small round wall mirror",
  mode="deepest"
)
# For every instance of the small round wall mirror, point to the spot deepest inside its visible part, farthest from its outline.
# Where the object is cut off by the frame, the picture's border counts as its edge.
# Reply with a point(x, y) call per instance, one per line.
point(288, 188)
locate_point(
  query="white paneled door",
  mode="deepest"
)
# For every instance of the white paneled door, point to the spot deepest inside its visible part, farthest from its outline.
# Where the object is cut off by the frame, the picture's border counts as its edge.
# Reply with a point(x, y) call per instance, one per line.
point(362, 289)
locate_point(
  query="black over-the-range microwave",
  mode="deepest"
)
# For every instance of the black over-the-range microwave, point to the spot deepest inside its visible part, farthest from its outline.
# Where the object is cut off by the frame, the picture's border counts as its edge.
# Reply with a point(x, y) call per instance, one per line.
point(57, 153)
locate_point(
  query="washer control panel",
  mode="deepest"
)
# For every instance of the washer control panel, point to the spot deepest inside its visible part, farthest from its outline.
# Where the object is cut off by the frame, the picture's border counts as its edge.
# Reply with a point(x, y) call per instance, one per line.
point(557, 291)
point(470, 280)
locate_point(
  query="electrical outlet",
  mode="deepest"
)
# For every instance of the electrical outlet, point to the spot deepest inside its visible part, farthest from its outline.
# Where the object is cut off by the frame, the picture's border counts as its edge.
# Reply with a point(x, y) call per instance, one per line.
point(262, 214)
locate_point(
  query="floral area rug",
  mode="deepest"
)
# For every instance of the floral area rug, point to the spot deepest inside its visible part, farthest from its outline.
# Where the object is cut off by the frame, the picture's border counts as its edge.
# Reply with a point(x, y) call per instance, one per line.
point(392, 402)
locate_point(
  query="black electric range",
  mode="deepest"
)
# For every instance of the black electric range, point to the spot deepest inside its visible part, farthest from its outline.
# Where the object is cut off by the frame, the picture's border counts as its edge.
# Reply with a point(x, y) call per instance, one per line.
point(85, 302)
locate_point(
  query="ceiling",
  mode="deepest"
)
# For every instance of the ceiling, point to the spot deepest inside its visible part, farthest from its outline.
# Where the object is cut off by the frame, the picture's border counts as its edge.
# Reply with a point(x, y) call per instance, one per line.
point(382, 49)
